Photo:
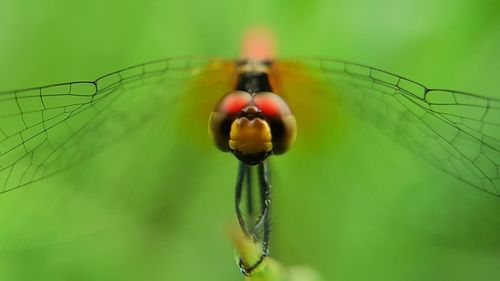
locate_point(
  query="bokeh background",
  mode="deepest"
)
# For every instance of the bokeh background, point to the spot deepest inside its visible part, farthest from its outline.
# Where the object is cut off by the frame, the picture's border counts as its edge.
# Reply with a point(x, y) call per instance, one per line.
point(153, 207)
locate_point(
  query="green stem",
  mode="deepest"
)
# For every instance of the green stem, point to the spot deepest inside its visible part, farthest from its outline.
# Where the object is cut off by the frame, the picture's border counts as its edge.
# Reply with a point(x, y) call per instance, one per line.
point(269, 269)
point(249, 252)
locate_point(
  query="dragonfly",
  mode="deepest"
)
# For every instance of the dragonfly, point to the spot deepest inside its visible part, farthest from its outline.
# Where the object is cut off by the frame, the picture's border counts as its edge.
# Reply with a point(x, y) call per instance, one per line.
point(255, 107)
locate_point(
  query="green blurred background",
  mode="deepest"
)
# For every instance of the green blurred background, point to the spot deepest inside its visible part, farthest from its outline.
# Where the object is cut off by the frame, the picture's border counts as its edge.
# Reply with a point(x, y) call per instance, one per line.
point(156, 208)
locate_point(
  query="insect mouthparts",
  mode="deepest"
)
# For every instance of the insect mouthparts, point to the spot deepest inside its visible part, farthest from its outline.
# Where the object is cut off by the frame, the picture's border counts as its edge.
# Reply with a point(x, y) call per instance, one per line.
point(250, 112)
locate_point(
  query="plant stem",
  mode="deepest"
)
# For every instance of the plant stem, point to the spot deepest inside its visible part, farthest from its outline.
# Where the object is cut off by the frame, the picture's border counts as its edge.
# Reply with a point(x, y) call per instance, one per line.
point(270, 269)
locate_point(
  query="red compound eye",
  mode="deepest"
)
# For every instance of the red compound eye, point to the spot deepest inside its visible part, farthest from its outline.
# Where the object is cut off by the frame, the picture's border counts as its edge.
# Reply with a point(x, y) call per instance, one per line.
point(234, 102)
point(271, 104)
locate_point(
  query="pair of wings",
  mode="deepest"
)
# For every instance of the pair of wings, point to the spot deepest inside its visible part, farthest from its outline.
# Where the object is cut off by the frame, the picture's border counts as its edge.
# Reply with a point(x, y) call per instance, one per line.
point(44, 130)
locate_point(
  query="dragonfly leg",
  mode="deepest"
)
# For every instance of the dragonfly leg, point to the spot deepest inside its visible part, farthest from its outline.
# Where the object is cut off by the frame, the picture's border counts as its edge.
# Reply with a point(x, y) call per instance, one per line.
point(242, 171)
point(265, 193)
point(250, 203)
point(262, 222)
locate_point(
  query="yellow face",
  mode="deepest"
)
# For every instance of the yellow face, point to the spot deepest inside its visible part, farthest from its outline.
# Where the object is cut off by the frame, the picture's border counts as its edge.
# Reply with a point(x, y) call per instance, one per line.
point(250, 136)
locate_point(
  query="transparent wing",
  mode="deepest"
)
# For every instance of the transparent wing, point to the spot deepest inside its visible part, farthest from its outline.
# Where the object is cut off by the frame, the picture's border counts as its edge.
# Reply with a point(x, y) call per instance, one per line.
point(46, 129)
point(456, 131)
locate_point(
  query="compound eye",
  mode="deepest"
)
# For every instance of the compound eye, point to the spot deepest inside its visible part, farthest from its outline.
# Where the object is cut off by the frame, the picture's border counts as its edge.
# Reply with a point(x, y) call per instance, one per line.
point(224, 114)
point(234, 102)
point(280, 118)
point(271, 104)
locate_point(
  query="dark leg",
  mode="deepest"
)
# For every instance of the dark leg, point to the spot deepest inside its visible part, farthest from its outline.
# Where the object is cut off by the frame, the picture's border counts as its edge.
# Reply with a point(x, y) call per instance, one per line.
point(249, 192)
point(242, 169)
point(265, 193)
point(263, 220)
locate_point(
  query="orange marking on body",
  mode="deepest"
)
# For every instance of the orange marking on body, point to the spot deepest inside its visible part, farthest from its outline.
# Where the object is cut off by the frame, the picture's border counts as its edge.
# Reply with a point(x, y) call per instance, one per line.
point(258, 44)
